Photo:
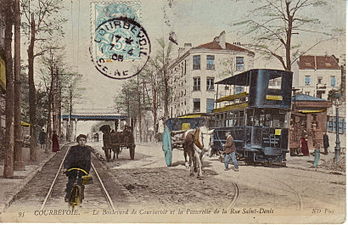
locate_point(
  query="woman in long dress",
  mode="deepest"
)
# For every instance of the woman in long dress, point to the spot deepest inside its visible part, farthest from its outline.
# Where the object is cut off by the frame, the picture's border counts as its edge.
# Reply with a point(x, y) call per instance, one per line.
point(304, 146)
point(55, 142)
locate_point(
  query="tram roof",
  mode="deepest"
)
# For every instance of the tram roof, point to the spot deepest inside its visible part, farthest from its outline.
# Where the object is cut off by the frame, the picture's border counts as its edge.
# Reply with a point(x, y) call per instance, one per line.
point(242, 79)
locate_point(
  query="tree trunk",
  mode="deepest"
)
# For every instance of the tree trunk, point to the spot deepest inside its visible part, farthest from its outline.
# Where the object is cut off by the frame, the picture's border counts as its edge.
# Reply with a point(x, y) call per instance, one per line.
point(8, 162)
point(18, 163)
point(288, 38)
point(154, 109)
point(166, 94)
point(32, 94)
point(49, 124)
point(139, 111)
point(55, 100)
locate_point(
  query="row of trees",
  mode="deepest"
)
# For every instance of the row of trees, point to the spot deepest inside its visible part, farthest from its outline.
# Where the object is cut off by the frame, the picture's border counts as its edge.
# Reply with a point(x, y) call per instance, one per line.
point(46, 83)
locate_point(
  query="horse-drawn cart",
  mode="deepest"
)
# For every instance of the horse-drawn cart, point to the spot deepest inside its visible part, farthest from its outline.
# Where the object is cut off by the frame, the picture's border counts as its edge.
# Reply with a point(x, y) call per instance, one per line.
point(116, 141)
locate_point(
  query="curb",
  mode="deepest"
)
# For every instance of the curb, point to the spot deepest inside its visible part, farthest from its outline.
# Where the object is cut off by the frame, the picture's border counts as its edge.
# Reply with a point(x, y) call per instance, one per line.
point(25, 181)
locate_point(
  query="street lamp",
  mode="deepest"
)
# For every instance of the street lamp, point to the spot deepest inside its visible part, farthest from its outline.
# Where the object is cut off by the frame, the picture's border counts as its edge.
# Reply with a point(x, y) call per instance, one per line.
point(337, 147)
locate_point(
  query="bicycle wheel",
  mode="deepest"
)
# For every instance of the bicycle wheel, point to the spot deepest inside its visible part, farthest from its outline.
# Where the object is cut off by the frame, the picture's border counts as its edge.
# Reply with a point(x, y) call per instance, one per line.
point(75, 198)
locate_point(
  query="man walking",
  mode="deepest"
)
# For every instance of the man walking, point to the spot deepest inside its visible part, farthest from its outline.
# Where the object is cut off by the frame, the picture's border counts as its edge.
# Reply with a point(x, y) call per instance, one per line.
point(230, 152)
point(325, 143)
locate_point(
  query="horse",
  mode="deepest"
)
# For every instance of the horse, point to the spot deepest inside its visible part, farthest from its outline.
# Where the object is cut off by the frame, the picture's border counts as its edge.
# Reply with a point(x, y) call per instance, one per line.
point(114, 141)
point(196, 145)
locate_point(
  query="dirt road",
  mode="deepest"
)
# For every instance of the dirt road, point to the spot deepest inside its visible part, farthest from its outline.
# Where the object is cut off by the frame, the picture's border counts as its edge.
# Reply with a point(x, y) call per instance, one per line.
point(284, 190)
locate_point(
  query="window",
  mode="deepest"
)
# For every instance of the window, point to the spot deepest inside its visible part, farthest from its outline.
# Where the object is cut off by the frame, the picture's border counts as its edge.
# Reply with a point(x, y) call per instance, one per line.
point(307, 92)
point(196, 105)
point(320, 80)
point(238, 89)
point(210, 83)
point(196, 83)
point(185, 68)
point(307, 80)
point(333, 81)
point(196, 62)
point(331, 125)
point(239, 63)
point(210, 62)
point(210, 105)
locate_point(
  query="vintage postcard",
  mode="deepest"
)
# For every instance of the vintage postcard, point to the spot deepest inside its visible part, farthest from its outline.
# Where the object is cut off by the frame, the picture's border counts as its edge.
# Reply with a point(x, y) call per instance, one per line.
point(173, 111)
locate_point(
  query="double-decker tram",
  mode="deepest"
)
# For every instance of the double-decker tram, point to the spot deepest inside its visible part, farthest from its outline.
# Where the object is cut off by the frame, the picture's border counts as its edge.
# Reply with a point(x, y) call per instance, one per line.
point(257, 116)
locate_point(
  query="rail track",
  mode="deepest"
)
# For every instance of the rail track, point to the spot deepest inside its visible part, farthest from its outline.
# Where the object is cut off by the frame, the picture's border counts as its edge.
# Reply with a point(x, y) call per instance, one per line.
point(96, 194)
point(235, 196)
point(292, 190)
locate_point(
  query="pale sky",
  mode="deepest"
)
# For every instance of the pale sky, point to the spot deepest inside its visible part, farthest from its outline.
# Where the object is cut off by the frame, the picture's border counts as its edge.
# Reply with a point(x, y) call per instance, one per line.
point(194, 21)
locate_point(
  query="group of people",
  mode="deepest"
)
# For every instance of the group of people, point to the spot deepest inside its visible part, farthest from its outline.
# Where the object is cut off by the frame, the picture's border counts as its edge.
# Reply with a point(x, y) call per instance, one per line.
point(316, 144)
point(54, 139)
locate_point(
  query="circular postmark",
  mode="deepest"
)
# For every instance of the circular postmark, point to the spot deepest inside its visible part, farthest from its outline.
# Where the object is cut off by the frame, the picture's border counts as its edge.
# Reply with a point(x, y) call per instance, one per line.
point(121, 48)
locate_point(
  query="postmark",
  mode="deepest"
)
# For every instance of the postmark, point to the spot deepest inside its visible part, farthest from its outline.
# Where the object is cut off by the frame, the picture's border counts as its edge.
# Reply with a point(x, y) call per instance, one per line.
point(120, 45)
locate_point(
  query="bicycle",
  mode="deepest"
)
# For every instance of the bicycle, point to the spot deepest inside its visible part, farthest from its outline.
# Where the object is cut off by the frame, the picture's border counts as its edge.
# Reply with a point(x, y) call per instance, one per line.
point(77, 192)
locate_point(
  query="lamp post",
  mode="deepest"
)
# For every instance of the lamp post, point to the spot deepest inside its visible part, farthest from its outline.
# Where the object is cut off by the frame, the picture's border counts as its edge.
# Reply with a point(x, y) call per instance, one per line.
point(337, 147)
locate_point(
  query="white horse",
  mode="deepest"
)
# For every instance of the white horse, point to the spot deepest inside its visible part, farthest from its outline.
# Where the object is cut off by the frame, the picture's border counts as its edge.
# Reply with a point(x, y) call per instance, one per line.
point(197, 143)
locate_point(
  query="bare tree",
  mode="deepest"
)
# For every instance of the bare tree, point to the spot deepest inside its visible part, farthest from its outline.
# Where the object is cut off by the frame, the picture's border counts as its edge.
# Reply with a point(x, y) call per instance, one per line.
point(42, 21)
point(161, 62)
point(277, 22)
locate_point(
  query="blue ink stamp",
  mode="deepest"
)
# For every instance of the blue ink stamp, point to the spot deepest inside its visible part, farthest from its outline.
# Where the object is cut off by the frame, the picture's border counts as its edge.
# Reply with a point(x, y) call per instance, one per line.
point(120, 45)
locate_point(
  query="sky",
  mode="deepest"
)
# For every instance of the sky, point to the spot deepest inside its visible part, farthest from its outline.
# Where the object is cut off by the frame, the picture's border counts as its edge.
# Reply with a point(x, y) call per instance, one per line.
point(194, 21)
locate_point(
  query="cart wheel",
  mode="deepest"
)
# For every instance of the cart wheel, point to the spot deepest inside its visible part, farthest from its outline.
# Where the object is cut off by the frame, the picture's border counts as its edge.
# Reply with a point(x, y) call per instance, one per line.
point(131, 152)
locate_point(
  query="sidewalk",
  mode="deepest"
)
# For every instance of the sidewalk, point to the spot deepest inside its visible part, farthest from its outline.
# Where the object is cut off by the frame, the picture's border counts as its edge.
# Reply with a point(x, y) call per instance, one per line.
point(10, 187)
point(306, 163)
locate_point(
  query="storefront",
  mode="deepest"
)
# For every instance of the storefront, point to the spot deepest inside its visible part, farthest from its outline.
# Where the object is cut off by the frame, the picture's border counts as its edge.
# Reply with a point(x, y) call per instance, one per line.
point(308, 120)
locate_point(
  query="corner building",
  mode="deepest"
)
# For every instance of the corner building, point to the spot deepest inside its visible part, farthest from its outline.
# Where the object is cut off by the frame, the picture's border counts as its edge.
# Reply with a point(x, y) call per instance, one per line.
point(196, 69)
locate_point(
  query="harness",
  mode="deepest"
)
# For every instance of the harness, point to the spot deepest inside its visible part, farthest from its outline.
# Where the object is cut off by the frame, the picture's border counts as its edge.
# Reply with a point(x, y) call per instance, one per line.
point(196, 141)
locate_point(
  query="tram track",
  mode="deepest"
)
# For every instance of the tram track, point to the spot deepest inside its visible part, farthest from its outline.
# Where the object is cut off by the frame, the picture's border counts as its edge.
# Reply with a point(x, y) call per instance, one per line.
point(235, 196)
point(55, 194)
point(292, 190)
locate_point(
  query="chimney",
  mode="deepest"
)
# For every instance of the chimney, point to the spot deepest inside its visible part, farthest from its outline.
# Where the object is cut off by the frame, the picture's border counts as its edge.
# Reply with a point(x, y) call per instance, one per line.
point(221, 40)
point(182, 50)
point(187, 46)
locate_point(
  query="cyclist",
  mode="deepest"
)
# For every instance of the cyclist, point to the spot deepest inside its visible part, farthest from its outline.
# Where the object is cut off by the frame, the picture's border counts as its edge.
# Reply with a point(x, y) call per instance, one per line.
point(79, 156)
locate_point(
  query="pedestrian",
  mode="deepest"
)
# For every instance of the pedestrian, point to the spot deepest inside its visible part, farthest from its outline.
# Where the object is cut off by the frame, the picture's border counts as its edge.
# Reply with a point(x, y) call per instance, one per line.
point(79, 156)
point(167, 146)
point(42, 138)
point(326, 143)
point(230, 152)
point(304, 146)
point(55, 142)
point(316, 155)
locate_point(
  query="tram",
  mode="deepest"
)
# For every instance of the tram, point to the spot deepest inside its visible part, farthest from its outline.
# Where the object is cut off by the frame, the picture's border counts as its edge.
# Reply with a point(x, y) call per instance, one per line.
point(257, 116)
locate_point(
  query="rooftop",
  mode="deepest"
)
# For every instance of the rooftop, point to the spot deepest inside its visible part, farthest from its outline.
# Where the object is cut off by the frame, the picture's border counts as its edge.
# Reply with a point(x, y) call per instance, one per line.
point(318, 62)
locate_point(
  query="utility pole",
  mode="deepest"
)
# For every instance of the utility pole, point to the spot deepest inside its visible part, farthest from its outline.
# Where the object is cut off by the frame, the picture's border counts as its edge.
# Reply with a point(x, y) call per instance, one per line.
point(18, 163)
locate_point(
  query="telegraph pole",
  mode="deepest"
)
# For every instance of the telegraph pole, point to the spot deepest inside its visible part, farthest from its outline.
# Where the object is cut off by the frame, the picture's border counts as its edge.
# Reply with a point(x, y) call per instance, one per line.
point(19, 163)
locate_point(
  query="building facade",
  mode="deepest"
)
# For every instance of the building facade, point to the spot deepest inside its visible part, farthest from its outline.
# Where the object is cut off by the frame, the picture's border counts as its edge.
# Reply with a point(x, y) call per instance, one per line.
point(196, 69)
point(317, 75)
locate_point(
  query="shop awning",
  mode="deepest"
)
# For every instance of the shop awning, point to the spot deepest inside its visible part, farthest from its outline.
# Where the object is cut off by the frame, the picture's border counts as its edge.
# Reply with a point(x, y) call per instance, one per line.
point(25, 124)
point(311, 110)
